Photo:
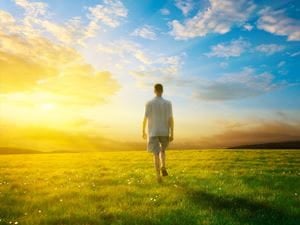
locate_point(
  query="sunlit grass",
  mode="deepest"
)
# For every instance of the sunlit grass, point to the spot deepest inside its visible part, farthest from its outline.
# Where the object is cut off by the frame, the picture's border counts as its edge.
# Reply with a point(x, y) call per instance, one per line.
point(204, 187)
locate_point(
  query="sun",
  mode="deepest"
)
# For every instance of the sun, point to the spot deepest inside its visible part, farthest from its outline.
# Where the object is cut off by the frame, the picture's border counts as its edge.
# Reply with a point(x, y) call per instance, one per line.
point(47, 106)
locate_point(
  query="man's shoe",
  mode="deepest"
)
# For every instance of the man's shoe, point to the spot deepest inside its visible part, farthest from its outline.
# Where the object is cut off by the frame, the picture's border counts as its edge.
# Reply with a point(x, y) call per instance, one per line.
point(164, 171)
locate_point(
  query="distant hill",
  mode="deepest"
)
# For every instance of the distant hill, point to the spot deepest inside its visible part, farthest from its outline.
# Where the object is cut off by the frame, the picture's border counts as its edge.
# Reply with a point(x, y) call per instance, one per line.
point(273, 145)
point(9, 150)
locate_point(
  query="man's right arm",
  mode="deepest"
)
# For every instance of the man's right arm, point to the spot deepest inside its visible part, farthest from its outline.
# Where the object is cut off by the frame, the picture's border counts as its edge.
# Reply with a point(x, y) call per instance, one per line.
point(171, 124)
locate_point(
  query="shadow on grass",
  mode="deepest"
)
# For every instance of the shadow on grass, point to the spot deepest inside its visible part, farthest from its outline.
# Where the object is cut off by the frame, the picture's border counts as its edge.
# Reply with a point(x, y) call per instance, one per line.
point(242, 210)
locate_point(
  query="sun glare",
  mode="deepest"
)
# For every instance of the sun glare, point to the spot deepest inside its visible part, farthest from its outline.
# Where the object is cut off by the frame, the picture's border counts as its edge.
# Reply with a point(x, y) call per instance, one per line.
point(47, 106)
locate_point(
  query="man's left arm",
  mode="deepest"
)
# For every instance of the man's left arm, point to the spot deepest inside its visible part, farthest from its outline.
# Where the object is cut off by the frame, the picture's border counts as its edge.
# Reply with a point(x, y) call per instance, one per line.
point(144, 135)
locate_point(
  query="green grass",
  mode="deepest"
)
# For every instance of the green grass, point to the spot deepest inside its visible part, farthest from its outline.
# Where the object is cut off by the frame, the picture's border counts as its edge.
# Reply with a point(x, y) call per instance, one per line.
point(204, 187)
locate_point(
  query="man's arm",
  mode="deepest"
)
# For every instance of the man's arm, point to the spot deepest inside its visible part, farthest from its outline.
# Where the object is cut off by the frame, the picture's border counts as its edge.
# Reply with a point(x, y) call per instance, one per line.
point(144, 135)
point(146, 115)
point(171, 127)
point(171, 123)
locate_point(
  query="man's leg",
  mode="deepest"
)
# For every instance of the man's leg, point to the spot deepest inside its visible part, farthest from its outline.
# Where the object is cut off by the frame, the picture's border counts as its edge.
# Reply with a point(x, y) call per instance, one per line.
point(162, 156)
point(157, 166)
point(164, 141)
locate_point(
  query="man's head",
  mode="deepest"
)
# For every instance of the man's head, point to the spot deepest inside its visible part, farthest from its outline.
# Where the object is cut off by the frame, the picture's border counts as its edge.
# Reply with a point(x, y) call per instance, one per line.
point(158, 89)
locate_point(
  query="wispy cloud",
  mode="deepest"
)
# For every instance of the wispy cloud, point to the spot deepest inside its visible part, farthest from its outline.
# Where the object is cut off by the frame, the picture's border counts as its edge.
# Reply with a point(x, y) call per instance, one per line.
point(269, 49)
point(223, 65)
point(295, 54)
point(144, 65)
point(33, 9)
point(164, 11)
point(281, 64)
point(244, 84)
point(185, 6)
point(124, 50)
point(38, 20)
point(146, 32)
point(248, 27)
point(231, 49)
point(110, 13)
point(276, 22)
point(220, 17)
point(164, 69)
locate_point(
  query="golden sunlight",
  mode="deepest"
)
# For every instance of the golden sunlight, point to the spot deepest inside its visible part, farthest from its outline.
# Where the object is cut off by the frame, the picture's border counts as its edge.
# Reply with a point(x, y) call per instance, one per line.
point(47, 106)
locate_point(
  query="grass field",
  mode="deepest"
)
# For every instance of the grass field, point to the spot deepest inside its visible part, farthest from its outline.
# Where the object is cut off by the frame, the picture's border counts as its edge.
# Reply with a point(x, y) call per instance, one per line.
point(204, 187)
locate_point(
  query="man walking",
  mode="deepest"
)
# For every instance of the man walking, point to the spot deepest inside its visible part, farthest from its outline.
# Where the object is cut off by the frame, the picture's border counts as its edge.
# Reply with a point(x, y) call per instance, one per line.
point(159, 115)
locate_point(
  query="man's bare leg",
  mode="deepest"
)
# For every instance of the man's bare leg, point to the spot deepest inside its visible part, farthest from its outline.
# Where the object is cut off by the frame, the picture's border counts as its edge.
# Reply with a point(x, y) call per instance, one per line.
point(162, 156)
point(157, 166)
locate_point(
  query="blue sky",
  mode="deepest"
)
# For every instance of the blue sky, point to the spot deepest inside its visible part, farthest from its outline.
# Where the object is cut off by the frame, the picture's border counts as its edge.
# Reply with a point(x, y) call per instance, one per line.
point(232, 61)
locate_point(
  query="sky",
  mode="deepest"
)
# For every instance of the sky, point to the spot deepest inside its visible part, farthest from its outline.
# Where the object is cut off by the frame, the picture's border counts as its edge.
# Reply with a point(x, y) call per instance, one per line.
point(77, 74)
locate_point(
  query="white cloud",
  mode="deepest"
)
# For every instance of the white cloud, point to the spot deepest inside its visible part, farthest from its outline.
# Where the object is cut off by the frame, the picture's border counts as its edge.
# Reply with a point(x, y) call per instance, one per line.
point(232, 49)
point(69, 33)
point(38, 20)
point(295, 54)
point(124, 50)
point(185, 6)
point(110, 13)
point(281, 68)
point(281, 64)
point(33, 9)
point(220, 17)
point(244, 84)
point(7, 22)
point(145, 66)
point(146, 32)
point(269, 49)
point(248, 27)
point(223, 65)
point(165, 69)
point(164, 11)
point(276, 22)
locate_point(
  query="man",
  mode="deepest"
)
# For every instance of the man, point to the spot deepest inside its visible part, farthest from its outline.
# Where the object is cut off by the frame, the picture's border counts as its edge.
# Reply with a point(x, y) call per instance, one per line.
point(159, 115)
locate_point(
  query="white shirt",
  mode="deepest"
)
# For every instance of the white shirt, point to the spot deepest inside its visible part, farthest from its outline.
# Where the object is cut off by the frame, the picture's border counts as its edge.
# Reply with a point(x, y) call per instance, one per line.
point(158, 111)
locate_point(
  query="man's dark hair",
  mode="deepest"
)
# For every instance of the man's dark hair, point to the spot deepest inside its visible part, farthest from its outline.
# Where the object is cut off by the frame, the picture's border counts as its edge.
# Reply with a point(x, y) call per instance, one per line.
point(158, 87)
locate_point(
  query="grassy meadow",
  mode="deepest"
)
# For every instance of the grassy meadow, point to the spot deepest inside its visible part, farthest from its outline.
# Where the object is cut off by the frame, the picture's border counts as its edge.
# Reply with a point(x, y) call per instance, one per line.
point(208, 187)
